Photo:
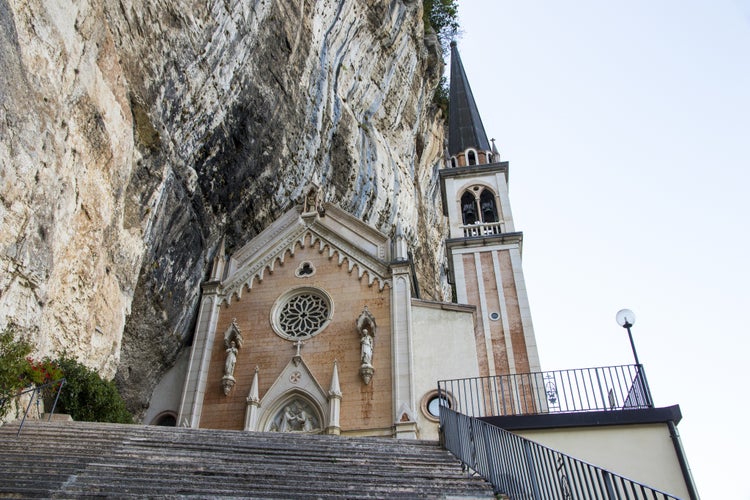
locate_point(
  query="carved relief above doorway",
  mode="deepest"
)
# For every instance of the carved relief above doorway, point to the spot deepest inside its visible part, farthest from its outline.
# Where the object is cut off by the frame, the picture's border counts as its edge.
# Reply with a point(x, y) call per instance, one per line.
point(296, 415)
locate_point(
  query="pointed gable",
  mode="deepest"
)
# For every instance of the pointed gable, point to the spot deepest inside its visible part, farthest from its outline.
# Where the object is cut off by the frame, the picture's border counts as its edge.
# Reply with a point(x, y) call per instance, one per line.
point(337, 234)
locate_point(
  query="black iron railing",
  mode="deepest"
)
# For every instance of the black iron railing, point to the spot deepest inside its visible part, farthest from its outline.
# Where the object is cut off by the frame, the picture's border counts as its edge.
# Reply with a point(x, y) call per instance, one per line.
point(560, 391)
point(523, 469)
point(36, 396)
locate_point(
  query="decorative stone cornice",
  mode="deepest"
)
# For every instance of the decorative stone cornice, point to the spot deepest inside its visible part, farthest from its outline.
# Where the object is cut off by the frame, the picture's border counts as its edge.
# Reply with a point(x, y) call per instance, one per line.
point(292, 232)
point(486, 240)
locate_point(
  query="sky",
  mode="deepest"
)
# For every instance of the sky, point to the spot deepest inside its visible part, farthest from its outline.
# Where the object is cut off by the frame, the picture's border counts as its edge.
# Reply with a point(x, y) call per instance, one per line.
point(627, 129)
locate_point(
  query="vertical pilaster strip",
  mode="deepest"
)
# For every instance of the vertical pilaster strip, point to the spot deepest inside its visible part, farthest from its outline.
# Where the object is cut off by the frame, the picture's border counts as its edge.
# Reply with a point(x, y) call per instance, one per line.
point(454, 215)
point(459, 278)
point(403, 373)
point(191, 404)
point(505, 202)
point(504, 313)
point(485, 316)
point(525, 310)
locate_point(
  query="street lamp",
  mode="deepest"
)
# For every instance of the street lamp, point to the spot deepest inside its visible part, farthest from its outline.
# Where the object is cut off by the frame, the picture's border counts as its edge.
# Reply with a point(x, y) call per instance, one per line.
point(626, 319)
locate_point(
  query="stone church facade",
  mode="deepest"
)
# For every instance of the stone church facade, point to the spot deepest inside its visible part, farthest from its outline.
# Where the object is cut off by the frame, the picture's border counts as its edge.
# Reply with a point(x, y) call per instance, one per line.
point(314, 324)
point(312, 327)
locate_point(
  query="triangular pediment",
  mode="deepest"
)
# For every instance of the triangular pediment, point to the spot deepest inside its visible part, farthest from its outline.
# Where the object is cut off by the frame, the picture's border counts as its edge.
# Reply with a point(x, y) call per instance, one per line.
point(333, 232)
point(295, 385)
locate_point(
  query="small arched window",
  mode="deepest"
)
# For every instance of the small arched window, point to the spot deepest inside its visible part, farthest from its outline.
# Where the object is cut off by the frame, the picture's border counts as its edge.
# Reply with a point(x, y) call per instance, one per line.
point(488, 207)
point(454, 164)
point(471, 157)
point(166, 419)
point(469, 208)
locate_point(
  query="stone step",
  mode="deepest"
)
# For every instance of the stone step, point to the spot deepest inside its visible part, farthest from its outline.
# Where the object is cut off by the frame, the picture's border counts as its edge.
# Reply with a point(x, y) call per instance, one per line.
point(77, 459)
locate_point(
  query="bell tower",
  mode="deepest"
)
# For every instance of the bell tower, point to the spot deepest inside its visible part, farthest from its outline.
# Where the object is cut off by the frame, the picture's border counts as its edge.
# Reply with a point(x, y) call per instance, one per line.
point(484, 248)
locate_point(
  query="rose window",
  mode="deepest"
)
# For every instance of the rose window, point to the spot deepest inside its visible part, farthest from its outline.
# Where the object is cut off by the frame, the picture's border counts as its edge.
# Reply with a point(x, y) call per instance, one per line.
point(302, 314)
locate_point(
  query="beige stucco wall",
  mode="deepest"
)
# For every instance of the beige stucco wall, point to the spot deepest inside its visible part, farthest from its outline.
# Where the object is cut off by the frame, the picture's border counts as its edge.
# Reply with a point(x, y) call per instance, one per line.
point(166, 395)
point(643, 453)
point(444, 348)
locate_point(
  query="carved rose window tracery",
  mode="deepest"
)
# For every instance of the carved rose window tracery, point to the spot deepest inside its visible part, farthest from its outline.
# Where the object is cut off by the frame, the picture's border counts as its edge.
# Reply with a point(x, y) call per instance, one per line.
point(302, 314)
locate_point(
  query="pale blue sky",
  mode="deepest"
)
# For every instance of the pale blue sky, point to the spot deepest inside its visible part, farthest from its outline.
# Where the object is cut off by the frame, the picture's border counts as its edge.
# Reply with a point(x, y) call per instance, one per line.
point(627, 128)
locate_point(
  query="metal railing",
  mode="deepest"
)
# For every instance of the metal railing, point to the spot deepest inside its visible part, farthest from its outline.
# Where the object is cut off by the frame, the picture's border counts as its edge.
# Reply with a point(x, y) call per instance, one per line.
point(483, 229)
point(560, 391)
point(36, 396)
point(523, 469)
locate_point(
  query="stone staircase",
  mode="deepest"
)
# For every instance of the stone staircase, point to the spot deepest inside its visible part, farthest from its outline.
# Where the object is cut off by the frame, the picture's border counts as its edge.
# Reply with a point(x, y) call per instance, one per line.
point(83, 459)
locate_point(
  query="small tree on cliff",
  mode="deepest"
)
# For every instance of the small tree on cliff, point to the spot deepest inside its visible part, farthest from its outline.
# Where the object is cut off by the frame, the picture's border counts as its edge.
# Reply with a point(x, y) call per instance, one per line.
point(442, 17)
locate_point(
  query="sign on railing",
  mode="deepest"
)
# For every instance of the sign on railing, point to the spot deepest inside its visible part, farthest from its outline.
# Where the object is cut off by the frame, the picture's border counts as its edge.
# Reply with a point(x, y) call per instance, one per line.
point(561, 391)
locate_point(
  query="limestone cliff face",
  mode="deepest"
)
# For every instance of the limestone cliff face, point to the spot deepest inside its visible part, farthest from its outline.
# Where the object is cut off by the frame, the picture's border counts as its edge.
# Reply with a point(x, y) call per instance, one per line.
point(136, 134)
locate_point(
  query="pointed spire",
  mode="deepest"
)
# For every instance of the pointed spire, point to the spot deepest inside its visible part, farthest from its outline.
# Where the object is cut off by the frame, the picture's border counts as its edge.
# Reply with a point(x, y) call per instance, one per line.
point(400, 247)
point(465, 129)
point(335, 390)
point(334, 403)
point(220, 260)
point(495, 152)
point(253, 396)
point(253, 405)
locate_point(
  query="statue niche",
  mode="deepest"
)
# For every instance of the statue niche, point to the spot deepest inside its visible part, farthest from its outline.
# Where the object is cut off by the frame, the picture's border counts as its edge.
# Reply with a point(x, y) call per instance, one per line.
point(366, 328)
point(232, 344)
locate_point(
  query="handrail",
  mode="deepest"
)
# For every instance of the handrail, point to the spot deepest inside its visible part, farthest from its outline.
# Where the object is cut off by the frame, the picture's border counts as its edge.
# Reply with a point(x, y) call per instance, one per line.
point(37, 391)
point(523, 469)
point(560, 391)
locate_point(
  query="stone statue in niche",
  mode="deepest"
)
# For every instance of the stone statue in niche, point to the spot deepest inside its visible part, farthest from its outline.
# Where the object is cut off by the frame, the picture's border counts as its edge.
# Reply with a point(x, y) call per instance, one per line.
point(296, 416)
point(366, 328)
point(231, 359)
point(313, 200)
point(232, 344)
point(366, 342)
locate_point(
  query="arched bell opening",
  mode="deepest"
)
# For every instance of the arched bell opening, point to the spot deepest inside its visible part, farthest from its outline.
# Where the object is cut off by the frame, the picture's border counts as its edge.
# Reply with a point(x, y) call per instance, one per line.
point(469, 209)
point(488, 207)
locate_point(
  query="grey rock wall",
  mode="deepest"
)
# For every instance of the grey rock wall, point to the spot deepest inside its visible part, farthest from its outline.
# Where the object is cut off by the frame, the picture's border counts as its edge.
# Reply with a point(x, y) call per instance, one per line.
point(135, 134)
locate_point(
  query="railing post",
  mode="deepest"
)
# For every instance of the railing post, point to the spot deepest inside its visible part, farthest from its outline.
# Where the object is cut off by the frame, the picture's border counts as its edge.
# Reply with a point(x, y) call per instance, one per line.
point(531, 469)
point(28, 407)
point(491, 465)
point(644, 384)
point(607, 476)
point(57, 397)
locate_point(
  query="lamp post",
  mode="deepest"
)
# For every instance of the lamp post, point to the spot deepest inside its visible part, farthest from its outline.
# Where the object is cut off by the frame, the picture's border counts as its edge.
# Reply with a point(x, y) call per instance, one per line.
point(626, 318)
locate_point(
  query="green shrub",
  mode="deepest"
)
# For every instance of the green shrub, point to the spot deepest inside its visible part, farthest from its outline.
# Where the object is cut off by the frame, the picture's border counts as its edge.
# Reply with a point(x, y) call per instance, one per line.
point(441, 97)
point(87, 397)
point(13, 366)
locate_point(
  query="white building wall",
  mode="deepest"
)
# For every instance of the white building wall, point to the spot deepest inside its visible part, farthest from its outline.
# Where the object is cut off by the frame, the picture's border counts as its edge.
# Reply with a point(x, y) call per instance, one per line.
point(444, 348)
